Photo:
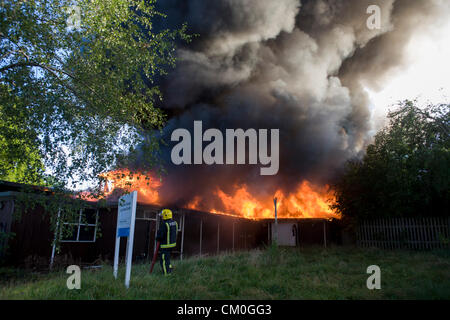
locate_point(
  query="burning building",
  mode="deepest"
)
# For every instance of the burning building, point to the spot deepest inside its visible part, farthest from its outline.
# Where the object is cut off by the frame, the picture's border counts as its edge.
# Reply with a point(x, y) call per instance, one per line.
point(200, 233)
point(307, 201)
point(300, 67)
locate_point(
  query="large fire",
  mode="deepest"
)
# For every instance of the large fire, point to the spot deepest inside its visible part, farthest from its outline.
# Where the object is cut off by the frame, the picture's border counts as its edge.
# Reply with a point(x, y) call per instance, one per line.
point(146, 185)
point(307, 201)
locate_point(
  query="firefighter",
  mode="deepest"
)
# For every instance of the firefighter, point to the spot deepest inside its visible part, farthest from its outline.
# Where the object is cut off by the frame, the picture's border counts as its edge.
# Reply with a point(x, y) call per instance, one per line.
point(167, 236)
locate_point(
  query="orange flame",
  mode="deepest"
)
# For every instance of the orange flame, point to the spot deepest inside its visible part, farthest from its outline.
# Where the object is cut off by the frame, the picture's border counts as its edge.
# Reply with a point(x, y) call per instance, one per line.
point(146, 185)
point(306, 201)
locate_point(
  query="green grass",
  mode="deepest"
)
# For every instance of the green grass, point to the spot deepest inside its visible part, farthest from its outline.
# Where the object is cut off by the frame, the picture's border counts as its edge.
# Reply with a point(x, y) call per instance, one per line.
point(308, 273)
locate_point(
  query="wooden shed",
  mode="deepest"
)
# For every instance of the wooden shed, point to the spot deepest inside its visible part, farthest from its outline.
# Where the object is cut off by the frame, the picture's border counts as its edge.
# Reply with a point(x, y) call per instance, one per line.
point(30, 240)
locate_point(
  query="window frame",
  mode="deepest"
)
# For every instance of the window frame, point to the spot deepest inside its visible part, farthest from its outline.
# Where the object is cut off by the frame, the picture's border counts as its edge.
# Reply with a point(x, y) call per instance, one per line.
point(80, 225)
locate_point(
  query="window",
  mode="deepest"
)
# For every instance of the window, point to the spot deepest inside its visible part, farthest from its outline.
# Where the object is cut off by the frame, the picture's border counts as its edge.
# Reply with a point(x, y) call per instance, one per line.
point(85, 229)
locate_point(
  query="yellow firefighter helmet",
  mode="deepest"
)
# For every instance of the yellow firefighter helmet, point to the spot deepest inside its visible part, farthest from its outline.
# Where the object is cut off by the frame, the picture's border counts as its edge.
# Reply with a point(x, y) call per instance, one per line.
point(166, 214)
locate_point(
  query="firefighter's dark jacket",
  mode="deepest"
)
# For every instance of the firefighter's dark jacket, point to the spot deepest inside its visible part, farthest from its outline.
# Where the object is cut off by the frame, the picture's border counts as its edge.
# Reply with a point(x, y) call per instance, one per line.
point(167, 233)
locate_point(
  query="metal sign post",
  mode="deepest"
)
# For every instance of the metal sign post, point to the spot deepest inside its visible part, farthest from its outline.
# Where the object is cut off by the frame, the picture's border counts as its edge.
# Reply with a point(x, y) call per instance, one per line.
point(126, 218)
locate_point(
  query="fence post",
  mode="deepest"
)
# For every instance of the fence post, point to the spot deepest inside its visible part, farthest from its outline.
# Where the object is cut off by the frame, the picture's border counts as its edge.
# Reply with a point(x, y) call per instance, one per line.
point(447, 234)
point(377, 233)
point(52, 259)
point(359, 234)
point(201, 230)
point(233, 236)
point(427, 232)
point(391, 240)
point(218, 236)
point(182, 235)
point(362, 230)
point(423, 233)
point(275, 235)
point(439, 230)
point(433, 232)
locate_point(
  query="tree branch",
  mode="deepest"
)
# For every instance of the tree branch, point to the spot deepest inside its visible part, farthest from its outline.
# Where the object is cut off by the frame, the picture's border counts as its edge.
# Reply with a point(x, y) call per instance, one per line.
point(19, 64)
point(50, 69)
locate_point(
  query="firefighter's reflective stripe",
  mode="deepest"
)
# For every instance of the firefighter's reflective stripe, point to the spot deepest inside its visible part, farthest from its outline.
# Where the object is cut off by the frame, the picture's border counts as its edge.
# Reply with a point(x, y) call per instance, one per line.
point(164, 263)
point(164, 246)
point(168, 244)
point(168, 233)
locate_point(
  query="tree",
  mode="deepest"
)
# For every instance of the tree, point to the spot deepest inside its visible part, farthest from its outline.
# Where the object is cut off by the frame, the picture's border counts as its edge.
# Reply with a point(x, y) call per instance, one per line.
point(20, 160)
point(77, 86)
point(77, 94)
point(405, 171)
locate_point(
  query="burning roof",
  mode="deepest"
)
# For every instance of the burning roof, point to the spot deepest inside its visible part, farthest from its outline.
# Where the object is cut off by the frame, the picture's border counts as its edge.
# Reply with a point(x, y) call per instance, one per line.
point(307, 201)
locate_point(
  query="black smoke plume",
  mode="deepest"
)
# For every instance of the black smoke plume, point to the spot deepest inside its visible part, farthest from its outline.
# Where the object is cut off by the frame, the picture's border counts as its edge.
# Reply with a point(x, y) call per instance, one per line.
point(297, 66)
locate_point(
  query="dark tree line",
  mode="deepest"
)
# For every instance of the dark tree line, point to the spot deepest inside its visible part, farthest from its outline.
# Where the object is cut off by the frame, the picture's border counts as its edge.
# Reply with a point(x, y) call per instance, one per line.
point(405, 172)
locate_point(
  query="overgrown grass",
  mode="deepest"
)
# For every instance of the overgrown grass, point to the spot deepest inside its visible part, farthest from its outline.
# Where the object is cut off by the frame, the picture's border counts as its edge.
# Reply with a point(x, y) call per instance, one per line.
point(308, 273)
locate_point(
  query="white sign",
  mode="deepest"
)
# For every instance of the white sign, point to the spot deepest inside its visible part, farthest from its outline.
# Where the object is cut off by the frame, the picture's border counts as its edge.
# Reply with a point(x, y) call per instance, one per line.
point(126, 217)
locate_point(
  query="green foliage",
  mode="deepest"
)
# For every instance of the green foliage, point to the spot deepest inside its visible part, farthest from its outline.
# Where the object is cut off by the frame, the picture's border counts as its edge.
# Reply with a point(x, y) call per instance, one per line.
point(20, 160)
point(73, 99)
point(77, 93)
point(405, 171)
